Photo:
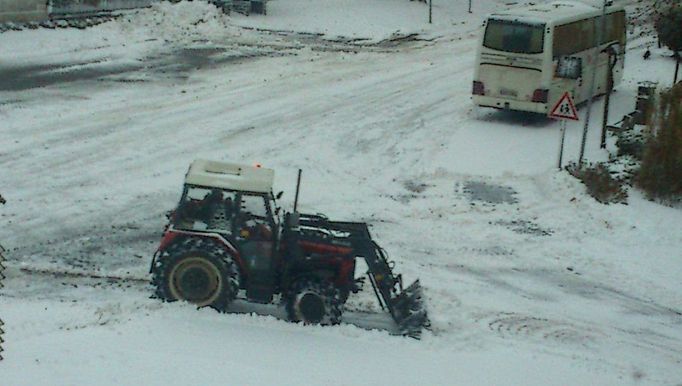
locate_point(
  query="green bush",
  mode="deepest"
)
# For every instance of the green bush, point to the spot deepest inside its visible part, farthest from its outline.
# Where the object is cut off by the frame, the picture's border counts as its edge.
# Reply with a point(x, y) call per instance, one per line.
point(660, 175)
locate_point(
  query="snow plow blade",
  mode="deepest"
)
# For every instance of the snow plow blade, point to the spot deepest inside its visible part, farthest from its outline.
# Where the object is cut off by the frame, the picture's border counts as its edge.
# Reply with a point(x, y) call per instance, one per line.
point(409, 311)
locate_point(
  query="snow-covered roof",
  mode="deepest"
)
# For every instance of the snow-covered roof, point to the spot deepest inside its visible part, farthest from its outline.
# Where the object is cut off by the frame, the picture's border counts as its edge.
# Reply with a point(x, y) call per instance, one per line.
point(555, 12)
point(225, 175)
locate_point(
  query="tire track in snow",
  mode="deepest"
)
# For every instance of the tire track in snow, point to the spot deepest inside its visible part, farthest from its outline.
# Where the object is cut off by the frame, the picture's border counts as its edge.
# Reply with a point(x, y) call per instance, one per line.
point(512, 325)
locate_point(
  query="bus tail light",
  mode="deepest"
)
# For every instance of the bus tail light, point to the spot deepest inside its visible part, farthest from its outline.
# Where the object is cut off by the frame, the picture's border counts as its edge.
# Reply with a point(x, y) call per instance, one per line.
point(540, 95)
point(478, 89)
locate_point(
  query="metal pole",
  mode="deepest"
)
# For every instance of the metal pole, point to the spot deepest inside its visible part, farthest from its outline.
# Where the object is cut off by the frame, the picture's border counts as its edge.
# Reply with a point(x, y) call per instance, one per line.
point(561, 142)
point(607, 98)
point(469, 6)
point(592, 82)
point(430, 10)
point(298, 187)
point(605, 118)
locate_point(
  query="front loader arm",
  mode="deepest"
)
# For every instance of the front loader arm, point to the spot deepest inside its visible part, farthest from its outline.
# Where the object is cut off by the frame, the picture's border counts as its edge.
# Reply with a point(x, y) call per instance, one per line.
point(405, 305)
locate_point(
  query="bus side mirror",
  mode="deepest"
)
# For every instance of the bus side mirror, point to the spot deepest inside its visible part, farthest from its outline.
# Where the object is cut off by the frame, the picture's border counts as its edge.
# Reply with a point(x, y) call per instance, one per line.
point(569, 67)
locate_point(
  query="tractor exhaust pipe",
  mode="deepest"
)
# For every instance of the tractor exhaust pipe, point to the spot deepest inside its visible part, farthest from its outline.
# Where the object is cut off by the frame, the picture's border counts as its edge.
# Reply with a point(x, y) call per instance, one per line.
point(298, 187)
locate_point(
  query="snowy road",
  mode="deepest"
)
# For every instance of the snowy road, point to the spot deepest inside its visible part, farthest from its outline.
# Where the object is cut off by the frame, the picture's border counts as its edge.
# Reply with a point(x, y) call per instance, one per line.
point(529, 280)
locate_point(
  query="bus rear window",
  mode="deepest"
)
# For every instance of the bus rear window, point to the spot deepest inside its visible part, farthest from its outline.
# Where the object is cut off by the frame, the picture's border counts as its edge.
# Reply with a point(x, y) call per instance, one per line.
point(510, 36)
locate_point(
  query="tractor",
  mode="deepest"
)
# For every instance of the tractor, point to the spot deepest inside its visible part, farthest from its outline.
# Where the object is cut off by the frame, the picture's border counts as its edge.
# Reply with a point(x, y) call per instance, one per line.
point(227, 235)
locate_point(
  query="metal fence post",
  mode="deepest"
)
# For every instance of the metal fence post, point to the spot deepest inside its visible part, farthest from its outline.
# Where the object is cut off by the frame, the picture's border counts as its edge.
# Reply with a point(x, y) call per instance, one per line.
point(600, 30)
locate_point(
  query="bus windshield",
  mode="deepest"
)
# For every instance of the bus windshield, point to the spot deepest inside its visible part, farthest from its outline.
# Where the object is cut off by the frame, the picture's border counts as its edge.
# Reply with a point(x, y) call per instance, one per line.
point(511, 36)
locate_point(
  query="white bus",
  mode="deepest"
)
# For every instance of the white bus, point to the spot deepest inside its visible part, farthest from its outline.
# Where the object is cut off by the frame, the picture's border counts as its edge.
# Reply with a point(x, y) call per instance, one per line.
point(530, 56)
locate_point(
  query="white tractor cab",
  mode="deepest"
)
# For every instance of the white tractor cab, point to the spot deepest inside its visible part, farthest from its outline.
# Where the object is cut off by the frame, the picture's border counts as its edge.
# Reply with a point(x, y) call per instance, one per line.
point(228, 198)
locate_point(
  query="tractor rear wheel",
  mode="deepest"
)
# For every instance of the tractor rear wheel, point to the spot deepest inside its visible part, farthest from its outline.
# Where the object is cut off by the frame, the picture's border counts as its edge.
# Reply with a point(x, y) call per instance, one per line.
point(198, 271)
point(314, 301)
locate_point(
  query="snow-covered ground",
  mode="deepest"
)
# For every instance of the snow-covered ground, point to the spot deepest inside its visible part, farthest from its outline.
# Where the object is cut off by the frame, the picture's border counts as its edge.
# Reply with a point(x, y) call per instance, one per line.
point(528, 280)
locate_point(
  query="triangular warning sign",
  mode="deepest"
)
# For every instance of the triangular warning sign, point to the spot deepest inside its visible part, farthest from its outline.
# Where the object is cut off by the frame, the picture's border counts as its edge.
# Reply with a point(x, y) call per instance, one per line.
point(564, 108)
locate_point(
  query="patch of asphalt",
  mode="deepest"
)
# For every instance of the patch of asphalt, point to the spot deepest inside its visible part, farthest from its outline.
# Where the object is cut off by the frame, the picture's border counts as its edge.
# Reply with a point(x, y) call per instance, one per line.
point(26, 77)
point(489, 193)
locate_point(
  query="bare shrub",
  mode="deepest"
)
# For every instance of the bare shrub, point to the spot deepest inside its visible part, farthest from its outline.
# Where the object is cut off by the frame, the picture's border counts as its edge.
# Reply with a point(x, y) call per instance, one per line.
point(600, 183)
point(668, 25)
point(660, 175)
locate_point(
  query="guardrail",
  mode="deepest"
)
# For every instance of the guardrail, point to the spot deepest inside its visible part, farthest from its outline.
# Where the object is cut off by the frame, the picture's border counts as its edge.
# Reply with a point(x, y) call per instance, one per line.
point(17, 14)
point(76, 7)
point(23, 10)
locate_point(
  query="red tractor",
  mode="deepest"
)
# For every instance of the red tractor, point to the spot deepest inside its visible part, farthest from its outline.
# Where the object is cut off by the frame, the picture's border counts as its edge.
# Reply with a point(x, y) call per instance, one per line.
point(226, 235)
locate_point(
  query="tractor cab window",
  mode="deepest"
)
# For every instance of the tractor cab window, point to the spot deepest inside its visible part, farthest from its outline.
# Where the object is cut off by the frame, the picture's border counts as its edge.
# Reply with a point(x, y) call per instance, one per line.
point(254, 220)
point(254, 206)
point(205, 208)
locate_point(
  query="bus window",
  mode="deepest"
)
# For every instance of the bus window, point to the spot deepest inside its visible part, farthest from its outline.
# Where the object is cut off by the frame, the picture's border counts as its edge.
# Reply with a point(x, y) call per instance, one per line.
point(574, 37)
point(509, 36)
point(615, 28)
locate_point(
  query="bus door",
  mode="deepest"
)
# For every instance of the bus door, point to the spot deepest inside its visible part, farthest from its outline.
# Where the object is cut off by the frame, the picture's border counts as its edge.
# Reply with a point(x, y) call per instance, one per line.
point(568, 76)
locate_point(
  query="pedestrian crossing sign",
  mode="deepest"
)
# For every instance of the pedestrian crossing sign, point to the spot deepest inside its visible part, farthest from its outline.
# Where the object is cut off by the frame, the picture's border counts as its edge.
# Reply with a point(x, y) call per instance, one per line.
point(564, 108)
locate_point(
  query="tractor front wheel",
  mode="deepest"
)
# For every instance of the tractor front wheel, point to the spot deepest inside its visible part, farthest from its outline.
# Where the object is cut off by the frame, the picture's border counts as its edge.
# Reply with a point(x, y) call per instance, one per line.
point(314, 301)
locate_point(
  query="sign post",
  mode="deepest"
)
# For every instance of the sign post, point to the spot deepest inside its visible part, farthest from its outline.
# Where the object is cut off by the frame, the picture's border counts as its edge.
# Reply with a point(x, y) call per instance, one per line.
point(561, 142)
point(564, 110)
